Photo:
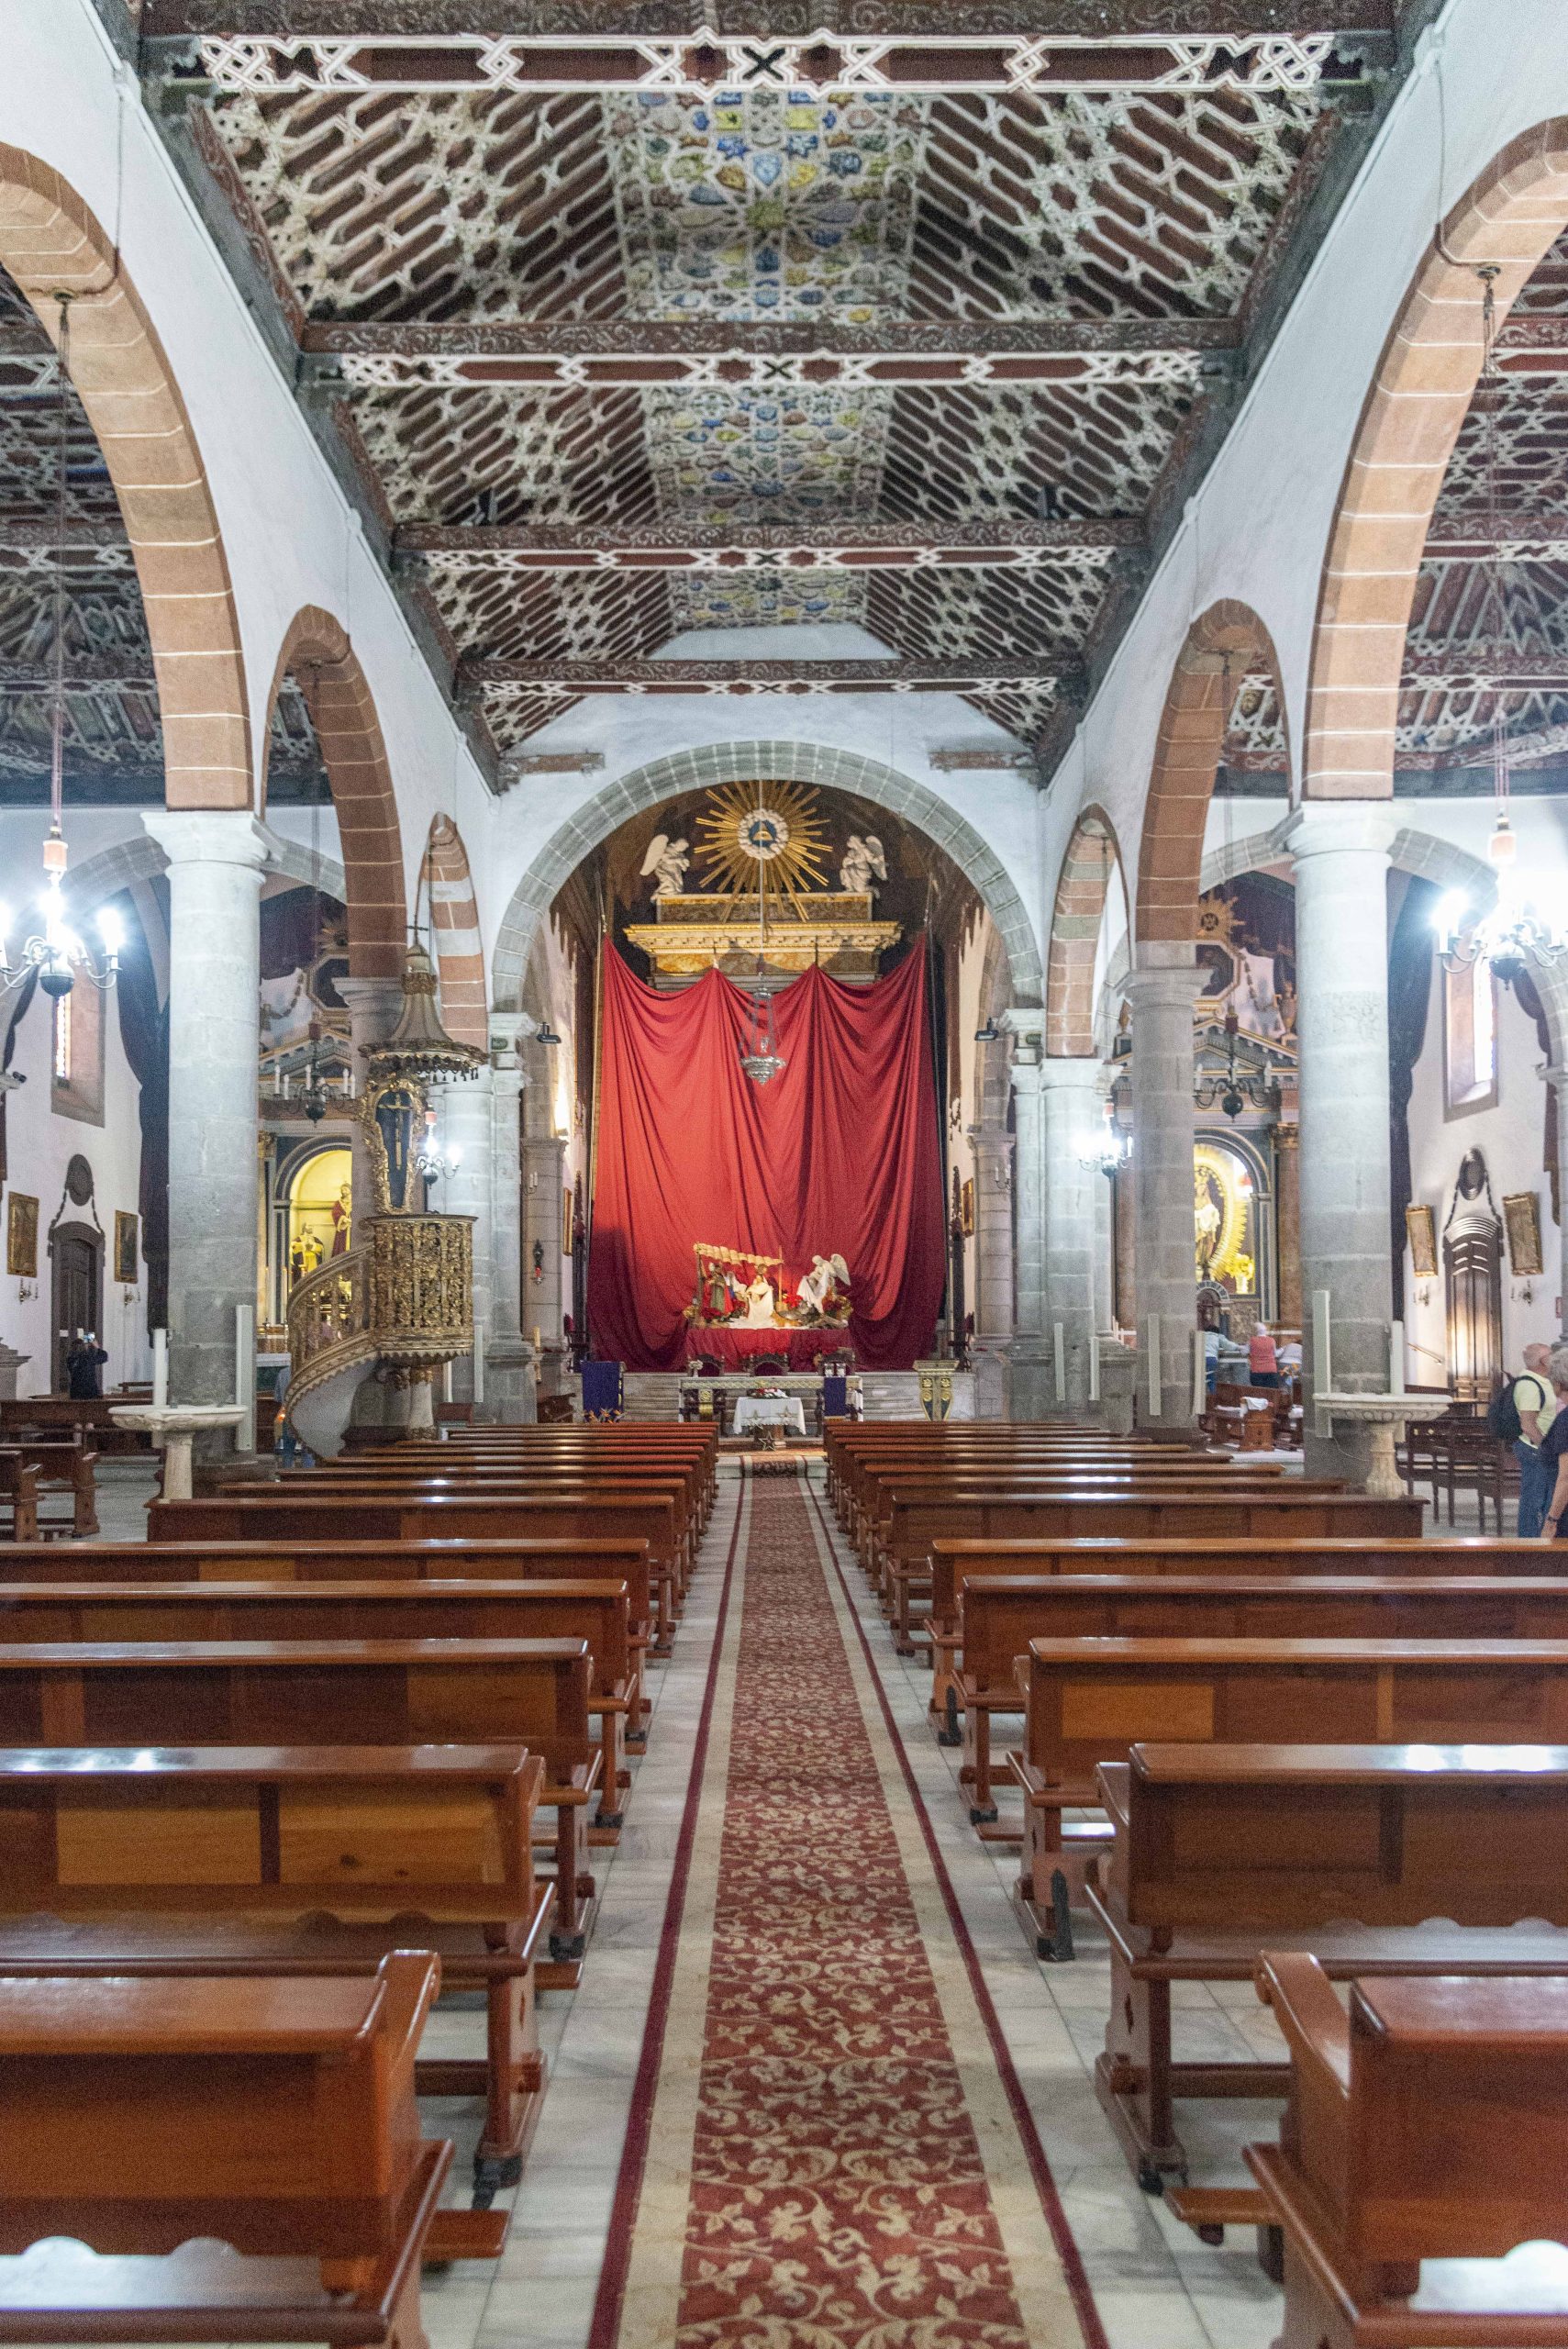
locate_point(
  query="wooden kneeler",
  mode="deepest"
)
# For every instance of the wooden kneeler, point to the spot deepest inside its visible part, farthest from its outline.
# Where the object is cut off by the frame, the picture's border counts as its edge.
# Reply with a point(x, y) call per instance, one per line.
point(291, 1861)
point(238, 2165)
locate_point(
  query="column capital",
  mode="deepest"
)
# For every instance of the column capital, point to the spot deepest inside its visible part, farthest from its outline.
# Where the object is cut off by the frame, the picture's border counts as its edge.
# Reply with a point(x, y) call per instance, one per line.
point(1070, 1072)
point(210, 836)
point(1342, 828)
point(507, 1044)
point(370, 995)
point(1167, 986)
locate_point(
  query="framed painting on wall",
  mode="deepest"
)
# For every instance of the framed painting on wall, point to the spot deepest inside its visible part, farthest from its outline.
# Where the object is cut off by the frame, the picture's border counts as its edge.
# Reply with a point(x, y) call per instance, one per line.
point(966, 1208)
point(1421, 1231)
point(126, 1253)
point(22, 1236)
point(566, 1222)
point(1521, 1221)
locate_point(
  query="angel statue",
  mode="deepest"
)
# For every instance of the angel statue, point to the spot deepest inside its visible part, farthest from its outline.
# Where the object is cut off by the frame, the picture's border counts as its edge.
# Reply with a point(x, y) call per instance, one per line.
point(827, 1277)
point(669, 859)
point(863, 862)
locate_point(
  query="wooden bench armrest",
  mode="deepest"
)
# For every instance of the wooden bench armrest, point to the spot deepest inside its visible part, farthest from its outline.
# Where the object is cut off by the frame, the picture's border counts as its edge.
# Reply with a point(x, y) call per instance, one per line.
point(1314, 2022)
point(580, 1787)
point(1026, 1776)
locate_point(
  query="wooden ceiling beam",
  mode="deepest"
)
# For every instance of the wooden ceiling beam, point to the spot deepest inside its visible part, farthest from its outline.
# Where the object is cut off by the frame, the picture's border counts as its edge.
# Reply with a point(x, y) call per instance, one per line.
point(675, 546)
point(1473, 535)
point(712, 354)
point(1074, 20)
point(239, 59)
point(651, 676)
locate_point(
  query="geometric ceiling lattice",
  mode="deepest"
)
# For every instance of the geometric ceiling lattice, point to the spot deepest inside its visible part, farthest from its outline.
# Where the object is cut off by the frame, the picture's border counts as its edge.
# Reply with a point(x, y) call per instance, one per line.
point(1042, 205)
point(454, 206)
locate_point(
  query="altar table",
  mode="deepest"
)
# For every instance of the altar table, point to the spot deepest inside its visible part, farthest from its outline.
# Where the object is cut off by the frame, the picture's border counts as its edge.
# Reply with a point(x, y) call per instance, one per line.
point(768, 1411)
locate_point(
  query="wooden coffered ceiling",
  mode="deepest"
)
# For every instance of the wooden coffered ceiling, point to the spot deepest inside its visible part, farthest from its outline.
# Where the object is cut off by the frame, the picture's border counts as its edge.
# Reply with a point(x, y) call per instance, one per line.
point(625, 320)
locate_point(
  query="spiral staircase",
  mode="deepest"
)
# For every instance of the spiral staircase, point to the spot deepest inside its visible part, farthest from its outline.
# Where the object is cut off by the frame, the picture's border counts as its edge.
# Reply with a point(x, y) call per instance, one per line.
point(367, 1329)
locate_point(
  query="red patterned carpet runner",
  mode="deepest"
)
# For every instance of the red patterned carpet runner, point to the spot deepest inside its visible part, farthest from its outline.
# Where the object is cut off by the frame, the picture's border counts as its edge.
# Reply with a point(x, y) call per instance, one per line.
point(816, 2171)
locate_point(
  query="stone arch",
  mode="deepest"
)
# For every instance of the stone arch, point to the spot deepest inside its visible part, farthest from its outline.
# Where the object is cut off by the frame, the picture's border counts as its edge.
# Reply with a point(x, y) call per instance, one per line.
point(51, 243)
point(141, 858)
point(1187, 758)
point(1418, 853)
point(316, 651)
point(1425, 380)
point(454, 933)
point(1082, 887)
point(807, 763)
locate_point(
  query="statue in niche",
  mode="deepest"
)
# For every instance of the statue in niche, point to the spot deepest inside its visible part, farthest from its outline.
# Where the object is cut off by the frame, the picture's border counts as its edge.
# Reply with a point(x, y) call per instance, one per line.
point(864, 862)
point(669, 859)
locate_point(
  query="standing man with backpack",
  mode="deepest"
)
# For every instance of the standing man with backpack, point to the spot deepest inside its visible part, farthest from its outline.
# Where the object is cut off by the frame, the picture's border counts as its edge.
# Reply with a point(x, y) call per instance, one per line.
point(1520, 1414)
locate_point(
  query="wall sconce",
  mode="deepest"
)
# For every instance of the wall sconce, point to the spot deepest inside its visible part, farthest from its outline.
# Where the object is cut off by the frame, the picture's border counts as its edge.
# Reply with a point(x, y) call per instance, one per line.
point(539, 1260)
point(25, 1289)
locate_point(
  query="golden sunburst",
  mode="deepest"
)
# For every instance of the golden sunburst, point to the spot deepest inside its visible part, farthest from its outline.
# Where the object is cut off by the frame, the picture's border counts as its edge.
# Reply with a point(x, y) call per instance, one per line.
point(762, 839)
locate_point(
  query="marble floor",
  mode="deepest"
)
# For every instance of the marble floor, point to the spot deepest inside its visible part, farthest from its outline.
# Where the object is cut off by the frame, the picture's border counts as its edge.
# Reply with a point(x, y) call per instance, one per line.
point(1154, 2285)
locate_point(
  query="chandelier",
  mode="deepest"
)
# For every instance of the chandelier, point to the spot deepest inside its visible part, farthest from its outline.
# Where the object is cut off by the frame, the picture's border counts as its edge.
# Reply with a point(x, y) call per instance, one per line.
point(1515, 932)
point(1233, 1089)
point(54, 956)
point(432, 1159)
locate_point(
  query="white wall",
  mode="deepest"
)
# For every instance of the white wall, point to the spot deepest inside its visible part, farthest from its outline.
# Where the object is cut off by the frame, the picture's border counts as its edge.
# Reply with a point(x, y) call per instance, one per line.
point(39, 1142)
point(1509, 1137)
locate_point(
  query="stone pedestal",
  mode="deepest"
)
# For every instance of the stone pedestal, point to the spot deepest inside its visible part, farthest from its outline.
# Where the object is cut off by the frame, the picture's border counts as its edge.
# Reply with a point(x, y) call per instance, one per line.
point(10, 1364)
point(1341, 947)
point(1071, 1124)
point(1118, 1387)
point(1160, 991)
point(215, 880)
point(173, 1428)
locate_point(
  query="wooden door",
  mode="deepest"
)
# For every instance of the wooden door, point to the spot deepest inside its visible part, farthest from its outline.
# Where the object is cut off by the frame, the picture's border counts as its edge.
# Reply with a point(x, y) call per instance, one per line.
point(78, 1261)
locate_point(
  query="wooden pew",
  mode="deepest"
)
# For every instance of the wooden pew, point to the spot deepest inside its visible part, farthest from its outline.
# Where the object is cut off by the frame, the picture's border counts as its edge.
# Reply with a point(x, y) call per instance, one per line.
point(212, 1562)
point(954, 1563)
point(282, 2124)
point(524, 1484)
point(919, 1519)
point(1001, 1615)
point(1225, 1852)
point(85, 1420)
point(176, 1612)
point(63, 1467)
point(301, 1860)
point(1090, 1700)
point(693, 1450)
point(293, 1519)
point(1424, 2127)
point(19, 1498)
point(869, 1477)
point(901, 1577)
point(408, 1692)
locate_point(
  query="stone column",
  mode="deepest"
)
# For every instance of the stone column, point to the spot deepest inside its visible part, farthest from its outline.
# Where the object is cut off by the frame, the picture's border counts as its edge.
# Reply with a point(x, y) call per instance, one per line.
point(510, 1387)
point(1341, 947)
point(1288, 1220)
point(463, 1116)
point(215, 883)
point(1031, 1388)
point(991, 1146)
point(1160, 991)
point(544, 1178)
point(373, 1005)
point(1071, 1124)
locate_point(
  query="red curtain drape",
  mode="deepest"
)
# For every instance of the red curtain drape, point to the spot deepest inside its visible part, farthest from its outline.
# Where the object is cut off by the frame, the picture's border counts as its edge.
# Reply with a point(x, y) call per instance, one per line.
point(839, 1152)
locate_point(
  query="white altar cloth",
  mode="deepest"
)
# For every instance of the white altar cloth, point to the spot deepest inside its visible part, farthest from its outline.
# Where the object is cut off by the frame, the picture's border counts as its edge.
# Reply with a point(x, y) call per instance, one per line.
point(768, 1411)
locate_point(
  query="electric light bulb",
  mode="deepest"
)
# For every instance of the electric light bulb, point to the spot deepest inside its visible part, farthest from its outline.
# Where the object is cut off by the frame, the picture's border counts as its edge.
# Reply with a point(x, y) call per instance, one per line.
point(109, 929)
point(454, 1156)
point(1448, 919)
